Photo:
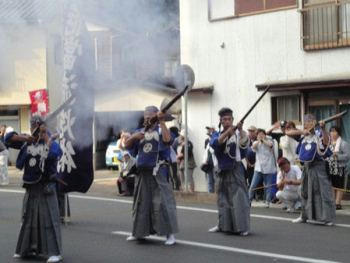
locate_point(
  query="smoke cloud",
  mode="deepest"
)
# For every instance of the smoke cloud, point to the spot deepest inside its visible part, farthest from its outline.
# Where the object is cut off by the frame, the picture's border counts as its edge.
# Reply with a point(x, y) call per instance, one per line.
point(143, 37)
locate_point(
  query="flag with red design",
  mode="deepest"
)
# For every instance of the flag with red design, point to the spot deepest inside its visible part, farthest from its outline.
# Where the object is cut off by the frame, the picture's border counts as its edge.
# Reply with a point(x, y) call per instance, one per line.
point(39, 102)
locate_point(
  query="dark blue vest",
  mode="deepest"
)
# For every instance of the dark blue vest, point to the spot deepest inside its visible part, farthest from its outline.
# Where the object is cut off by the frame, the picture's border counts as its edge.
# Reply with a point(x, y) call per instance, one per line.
point(32, 158)
point(225, 153)
point(307, 150)
point(148, 150)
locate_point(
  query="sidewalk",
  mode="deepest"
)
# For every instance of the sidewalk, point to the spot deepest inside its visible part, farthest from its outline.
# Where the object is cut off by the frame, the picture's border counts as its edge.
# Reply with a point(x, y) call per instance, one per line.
point(105, 185)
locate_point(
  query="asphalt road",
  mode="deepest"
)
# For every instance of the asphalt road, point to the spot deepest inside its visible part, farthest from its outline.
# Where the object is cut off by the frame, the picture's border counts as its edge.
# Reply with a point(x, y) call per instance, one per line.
point(99, 226)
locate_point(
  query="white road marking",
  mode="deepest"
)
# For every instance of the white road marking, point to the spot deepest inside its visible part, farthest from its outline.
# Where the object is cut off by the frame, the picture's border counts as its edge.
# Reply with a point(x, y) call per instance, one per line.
point(273, 217)
point(101, 199)
point(105, 179)
point(235, 249)
point(12, 191)
point(188, 208)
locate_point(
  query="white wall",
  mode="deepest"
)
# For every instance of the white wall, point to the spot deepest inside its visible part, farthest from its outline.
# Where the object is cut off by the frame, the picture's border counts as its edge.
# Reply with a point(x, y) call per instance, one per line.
point(23, 63)
point(199, 116)
point(258, 49)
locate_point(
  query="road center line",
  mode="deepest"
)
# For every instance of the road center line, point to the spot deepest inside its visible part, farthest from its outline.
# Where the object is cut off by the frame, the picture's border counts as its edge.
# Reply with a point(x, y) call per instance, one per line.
point(235, 249)
point(188, 208)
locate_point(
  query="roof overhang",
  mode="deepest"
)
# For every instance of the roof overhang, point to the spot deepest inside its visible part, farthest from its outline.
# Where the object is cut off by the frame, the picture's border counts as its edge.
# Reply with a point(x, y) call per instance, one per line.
point(202, 88)
point(15, 98)
point(306, 84)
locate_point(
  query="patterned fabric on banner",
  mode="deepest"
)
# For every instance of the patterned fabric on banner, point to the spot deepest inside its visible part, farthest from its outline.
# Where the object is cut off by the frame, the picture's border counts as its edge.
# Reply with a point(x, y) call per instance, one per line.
point(75, 118)
point(39, 102)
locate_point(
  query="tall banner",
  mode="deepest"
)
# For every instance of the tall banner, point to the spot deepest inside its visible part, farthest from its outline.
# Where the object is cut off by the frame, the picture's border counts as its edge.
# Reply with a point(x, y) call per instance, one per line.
point(39, 102)
point(75, 118)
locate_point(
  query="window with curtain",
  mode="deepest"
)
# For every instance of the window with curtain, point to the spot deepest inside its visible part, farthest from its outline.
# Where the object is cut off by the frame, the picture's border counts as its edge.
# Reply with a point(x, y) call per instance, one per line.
point(286, 108)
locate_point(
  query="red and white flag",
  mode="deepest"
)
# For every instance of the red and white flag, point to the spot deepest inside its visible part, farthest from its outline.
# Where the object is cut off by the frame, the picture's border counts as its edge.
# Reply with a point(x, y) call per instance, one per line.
point(39, 102)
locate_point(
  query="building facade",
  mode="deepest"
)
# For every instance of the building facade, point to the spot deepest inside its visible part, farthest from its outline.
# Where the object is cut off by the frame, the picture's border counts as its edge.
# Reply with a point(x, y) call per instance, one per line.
point(298, 48)
point(23, 60)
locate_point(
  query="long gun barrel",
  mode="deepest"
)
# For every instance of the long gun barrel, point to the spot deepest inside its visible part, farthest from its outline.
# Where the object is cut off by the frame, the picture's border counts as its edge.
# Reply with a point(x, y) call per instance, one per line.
point(254, 105)
point(334, 117)
point(329, 119)
point(167, 107)
point(173, 100)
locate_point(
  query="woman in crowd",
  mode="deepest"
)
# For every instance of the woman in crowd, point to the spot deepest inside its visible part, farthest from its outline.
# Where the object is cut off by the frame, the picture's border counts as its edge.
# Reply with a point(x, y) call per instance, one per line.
point(181, 161)
point(337, 163)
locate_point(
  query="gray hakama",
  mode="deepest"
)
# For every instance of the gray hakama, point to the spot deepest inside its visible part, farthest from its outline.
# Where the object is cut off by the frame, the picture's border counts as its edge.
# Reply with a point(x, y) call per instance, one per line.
point(40, 231)
point(316, 193)
point(233, 201)
point(154, 204)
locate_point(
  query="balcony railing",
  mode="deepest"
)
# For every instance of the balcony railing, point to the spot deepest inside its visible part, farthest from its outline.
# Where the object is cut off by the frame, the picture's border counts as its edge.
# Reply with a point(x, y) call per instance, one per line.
point(326, 25)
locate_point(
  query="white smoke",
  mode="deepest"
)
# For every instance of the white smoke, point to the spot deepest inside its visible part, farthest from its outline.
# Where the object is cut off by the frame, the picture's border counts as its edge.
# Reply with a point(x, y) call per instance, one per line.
point(143, 35)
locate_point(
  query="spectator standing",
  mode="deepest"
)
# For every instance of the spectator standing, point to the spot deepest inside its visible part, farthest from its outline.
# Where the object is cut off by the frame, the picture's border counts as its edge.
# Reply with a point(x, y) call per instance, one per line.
point(4, 153)
point(250, 160)
point(209, 161)
point(174, 131)
point(288, 144)
point(265, 165)
point(337, 163)
point(250, 157)
point(181, 161)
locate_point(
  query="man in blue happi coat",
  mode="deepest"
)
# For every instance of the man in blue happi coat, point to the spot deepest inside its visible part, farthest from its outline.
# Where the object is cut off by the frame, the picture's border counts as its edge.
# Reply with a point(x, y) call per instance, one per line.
point(229, 147)
point(154, 209)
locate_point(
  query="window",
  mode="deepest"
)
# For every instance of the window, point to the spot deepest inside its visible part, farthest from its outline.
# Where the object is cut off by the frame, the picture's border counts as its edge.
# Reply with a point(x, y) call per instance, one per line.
point(286, 108)
point(324, 104)
point(326, 24)
point(8, 112)
point(226, 9)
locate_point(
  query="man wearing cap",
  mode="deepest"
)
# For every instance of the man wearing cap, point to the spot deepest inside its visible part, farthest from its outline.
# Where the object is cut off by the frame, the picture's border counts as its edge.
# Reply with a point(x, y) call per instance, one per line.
point(317, 198)
point(229, 146)
point(154, 208)
point(180, 157)
point(250, 156)
point(209, 163)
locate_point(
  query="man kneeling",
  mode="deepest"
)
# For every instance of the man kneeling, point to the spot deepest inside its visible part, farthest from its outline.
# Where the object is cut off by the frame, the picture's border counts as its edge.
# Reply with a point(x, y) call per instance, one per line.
point(288, 183)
